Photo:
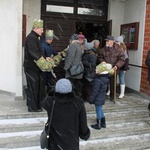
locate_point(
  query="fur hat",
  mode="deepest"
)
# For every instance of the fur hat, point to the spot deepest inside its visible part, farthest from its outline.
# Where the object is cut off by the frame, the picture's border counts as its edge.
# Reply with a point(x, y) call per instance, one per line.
point(63, 86)
point(37, 23)
point(49, 34)
point(120, 39)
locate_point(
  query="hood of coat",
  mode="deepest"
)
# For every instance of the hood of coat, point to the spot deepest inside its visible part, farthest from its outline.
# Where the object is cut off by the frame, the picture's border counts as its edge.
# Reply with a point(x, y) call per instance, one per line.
point(63, 98)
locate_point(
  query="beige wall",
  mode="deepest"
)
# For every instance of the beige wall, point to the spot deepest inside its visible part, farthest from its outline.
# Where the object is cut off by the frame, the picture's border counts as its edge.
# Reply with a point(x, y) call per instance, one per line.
point(11, 46)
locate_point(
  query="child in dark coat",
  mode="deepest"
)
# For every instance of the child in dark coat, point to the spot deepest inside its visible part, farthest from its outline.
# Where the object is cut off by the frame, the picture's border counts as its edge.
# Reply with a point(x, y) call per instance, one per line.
point(99, 95)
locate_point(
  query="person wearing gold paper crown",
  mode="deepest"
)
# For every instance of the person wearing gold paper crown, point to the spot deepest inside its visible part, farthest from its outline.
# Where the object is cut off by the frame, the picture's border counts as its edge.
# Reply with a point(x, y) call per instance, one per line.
point(48, 52)
point(98, 94)
point(33, 52)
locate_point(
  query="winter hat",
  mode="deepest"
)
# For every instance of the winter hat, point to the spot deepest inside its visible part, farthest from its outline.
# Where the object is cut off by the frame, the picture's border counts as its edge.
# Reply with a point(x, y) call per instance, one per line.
point(120, 39)
point(74, 37)
point(109, 37)
point(81, 36)
point(63, 86)
point(88, 46)
point(37, 23)
point(49, 34)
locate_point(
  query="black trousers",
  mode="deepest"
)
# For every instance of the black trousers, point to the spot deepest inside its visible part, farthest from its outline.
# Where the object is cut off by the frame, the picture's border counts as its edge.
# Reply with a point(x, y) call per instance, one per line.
point(35, 89)
point(77, 86)
point(111, 82)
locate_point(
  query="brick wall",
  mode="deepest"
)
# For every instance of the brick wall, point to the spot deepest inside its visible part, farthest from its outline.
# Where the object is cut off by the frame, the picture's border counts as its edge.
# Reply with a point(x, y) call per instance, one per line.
point(145, 87)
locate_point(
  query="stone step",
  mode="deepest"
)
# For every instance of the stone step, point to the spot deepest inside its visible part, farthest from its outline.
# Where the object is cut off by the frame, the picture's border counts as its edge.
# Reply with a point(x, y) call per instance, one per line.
point(89, 108)
point(111, 118)
point(28, 131)
point(134, 141)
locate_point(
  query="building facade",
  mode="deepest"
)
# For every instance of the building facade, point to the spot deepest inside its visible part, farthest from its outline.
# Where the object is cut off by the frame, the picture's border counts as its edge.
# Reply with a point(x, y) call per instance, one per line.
point(17, 17)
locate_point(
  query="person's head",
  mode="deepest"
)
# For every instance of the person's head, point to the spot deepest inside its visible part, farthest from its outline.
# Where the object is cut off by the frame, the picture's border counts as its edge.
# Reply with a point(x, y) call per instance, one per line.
point(73, 37)
point(81, 38)
point(120, 42)
point(88, 45)
point(120, 39)
point(109, 41)
point(96, 43)
point(38, 26)
point(63, 86)
point(49, 36)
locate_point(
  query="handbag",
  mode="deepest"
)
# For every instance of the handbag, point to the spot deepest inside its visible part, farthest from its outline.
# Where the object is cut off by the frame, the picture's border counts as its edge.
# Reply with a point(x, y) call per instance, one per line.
point(44, 138)
point(76, 70)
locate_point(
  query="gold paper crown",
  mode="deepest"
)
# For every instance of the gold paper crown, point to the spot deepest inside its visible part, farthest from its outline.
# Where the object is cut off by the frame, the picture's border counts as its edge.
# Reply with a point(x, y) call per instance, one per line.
point(49, 34)
point(38, 23)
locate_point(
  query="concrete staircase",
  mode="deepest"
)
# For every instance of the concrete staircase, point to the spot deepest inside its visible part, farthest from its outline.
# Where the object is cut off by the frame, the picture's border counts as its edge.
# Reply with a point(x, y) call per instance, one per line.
point(128, 127)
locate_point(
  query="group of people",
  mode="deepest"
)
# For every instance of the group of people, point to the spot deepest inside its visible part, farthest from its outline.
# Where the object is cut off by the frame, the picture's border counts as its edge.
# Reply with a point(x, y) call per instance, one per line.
point(69, 118)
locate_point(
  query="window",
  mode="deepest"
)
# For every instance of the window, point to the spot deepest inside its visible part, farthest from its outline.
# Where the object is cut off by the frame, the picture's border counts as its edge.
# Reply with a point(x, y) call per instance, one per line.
point(87, 11)
point(61, 9)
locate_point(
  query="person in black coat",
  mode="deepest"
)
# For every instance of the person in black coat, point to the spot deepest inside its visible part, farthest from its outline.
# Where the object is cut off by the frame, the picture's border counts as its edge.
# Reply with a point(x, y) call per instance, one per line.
point(69, 120)
point(98, 97)
point(33, 51)
point(89, 60)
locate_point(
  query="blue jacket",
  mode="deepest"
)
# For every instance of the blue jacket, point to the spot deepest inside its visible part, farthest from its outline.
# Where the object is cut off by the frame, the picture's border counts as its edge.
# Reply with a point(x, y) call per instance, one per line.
point(48, 49)
point(99, 88)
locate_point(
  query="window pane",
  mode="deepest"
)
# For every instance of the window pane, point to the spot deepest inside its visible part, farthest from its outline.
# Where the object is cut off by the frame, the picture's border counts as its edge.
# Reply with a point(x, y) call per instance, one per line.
point(86, 11)
point(62, 9)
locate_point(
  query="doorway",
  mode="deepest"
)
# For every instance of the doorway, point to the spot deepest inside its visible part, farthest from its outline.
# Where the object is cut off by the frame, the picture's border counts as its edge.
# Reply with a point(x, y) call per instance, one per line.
point(92, 31)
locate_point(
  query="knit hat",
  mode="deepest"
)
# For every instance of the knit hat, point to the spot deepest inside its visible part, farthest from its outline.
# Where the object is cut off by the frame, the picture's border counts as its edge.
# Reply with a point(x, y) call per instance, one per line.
point(37, 23)
point(120, 39)
point(49, 34)
point(81, 36)
point(88, 46)
point(63, 86)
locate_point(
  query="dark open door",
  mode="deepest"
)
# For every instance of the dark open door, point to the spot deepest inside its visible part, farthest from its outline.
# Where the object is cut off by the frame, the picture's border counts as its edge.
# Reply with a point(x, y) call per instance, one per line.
point(106, 29)
point(62, 29)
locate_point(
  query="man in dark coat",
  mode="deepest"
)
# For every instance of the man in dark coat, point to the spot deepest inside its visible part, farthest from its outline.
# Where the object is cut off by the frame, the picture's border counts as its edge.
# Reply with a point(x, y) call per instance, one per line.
point(112, 54)
point(35, 85)
point(69, 122)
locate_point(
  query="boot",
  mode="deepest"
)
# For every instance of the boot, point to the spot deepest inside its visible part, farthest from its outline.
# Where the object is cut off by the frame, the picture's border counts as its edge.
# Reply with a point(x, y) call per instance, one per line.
point(108, 90)
point(103, 123)
point(122, 89)
point(97, 126)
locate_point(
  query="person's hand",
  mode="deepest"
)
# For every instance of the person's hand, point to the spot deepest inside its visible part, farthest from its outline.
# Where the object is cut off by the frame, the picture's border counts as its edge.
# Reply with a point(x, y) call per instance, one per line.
point(48, 58)
point(115, 67)
point(97, 71)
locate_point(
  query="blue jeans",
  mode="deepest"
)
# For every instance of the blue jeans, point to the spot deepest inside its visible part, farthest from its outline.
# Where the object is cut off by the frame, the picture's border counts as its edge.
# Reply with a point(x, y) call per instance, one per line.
point(99, 112)
point(121, 77)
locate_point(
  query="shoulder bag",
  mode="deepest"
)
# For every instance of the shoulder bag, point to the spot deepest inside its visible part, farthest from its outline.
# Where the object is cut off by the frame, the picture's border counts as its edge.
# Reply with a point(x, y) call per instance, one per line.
point(76, 70)
point(44, 138)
